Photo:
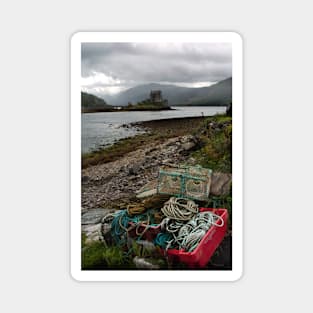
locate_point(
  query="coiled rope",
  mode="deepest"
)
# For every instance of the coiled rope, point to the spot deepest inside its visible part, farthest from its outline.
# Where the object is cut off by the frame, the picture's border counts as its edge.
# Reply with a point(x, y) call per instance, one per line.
point(123, 223)
point(191, 233)
point(163, 240)
point(186, 236)
point(182, 228)
point(180, 209)
point(135, 209)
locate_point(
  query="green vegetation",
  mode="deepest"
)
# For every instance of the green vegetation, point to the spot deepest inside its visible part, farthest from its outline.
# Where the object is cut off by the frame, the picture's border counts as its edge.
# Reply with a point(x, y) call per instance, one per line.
point(214, 136)
point(215, 152)
point(119, 149)
point(91, 103)
point(146, 105)
point(98, 255)
point(216, 144)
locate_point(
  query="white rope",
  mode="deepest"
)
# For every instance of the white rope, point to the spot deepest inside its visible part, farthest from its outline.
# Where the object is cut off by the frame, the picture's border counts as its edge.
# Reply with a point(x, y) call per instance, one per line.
point(192, 233)
point(187, 236)
point(179, 209)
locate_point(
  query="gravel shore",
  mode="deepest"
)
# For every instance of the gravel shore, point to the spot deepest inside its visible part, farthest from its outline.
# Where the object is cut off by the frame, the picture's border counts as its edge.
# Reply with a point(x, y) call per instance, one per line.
point(111, 185)
point(114, 183)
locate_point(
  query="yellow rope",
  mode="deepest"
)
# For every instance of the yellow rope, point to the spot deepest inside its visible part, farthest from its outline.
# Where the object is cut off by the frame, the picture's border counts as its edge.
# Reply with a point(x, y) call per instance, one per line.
point(135, 209)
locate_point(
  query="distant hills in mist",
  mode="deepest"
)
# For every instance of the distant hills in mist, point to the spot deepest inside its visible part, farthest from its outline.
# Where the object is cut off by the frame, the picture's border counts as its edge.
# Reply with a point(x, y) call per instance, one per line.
point(219, 94)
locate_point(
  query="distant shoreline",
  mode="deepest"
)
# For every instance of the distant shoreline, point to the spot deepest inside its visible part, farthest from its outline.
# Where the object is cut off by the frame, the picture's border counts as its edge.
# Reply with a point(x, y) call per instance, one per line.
point(156, 132)
point(159, 124)
point(123, 110)
point(85, 110)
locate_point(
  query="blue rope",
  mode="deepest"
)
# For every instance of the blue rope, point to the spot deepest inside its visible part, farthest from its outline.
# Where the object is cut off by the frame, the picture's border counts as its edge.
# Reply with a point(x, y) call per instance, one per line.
point(118, 233)
point(121, 223)
point(162, 239)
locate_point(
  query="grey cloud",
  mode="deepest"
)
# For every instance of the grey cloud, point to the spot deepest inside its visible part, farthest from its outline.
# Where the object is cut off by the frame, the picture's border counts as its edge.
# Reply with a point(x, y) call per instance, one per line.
point(137, 63)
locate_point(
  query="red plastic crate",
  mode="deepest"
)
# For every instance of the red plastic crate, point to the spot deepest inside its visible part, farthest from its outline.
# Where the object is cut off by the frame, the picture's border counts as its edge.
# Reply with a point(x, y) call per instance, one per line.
point(200, 257)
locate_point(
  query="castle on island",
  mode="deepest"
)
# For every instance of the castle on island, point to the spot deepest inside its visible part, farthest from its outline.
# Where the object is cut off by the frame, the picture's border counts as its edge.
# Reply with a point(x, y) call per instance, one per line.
point(156, 97)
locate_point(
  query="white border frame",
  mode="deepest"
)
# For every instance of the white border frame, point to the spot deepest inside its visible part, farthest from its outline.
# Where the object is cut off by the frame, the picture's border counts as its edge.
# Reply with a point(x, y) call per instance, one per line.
point(237, 162)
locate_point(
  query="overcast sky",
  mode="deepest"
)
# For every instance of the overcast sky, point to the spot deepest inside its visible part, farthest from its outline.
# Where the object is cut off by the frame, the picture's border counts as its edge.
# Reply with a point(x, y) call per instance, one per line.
point(108, 68)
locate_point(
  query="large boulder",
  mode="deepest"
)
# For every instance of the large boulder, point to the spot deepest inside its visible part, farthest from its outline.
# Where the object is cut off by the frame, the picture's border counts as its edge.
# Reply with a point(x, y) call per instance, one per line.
point(94, 225)
point(93, 216)
point(220, 184)
point(92, 232)
point(188, 145)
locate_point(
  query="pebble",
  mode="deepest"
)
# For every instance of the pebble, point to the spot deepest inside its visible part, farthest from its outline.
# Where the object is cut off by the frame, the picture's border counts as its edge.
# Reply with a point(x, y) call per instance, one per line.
point(120, 179)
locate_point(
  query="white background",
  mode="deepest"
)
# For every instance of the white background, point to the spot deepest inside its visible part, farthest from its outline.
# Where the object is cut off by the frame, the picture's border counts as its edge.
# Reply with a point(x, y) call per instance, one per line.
point(237, 171)
point(34, 137)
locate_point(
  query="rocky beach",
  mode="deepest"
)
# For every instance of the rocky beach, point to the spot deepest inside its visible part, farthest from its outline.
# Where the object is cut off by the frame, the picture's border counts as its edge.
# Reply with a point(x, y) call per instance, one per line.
point(108, 184)
point(117, 180)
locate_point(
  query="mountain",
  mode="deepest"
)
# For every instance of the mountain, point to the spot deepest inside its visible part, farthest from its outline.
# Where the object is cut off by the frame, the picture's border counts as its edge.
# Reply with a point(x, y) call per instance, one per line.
point(216, 95)
point(90, 102)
